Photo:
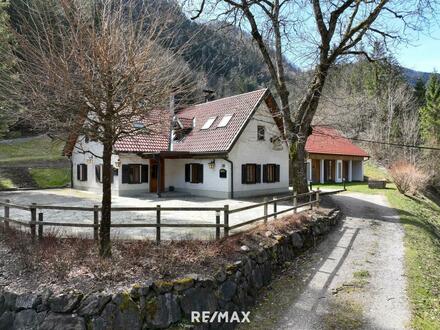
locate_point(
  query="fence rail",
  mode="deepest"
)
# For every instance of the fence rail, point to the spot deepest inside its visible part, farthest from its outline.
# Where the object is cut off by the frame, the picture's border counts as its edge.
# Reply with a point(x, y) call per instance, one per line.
point(37, 219)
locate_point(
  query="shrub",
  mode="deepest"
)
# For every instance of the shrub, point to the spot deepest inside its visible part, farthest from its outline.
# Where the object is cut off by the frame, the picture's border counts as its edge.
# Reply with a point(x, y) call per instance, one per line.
point(408, 178)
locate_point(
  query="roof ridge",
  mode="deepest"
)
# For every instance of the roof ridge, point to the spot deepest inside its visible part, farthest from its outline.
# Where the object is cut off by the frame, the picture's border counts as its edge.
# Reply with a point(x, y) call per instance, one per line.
point(224, 98)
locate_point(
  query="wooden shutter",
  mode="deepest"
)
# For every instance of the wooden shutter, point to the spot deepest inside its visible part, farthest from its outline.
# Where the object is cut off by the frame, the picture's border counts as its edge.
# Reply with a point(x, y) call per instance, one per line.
point(144, 173)
point(265, 173)
point(257, 173)
point(98, 173)
point(78, 172)
point(84, 172)
point(187, 172)
point(200, 173)
point(243, 174)
point(125, 173)
point(277, 173)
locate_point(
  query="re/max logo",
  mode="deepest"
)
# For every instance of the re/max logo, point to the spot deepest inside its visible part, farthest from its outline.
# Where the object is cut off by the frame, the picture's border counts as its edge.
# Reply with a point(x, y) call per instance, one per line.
point(220, 317)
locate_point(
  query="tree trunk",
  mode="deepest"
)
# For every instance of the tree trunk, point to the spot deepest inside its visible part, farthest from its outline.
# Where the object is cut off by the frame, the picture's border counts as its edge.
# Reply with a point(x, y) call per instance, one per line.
point(303, 128)
point(297, 154)
point(105, 244)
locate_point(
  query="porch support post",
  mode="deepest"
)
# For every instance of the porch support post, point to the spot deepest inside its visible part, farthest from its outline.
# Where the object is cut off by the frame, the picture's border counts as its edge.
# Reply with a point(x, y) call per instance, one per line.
point(350, 170)
point(362, 171)
point(159, 176)
point(321, 170)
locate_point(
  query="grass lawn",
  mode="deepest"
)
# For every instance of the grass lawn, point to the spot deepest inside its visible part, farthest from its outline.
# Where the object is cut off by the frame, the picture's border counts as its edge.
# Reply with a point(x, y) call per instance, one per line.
point(50, 177)
point(38, 148)
point(421, 220)
point(6, 183)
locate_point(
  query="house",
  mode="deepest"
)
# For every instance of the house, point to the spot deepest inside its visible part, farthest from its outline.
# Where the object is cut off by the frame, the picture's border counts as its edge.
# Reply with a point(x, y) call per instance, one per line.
point(227, 148)
point(332, 157)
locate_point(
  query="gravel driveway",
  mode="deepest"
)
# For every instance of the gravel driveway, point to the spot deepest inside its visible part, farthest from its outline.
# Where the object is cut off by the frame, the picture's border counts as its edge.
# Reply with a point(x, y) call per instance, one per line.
point(354, 279)
point(72, 197)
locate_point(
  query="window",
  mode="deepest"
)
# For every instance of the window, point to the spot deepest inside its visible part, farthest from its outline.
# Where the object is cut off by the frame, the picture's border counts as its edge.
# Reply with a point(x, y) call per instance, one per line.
point(250, 173)
point(209, 122)
point(194, 173)
point(222, 173)
point(81, 172)
point(271, 173)
point(260, 133)
point(134, 173)
point(99, 174)
point(225, 121)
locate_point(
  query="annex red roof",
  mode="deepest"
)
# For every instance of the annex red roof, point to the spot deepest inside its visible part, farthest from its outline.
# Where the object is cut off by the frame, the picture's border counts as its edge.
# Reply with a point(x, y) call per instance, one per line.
point(327, 140)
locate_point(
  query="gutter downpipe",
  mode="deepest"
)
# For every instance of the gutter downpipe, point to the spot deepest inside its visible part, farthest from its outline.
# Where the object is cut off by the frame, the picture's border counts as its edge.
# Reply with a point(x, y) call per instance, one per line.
point(232, 175)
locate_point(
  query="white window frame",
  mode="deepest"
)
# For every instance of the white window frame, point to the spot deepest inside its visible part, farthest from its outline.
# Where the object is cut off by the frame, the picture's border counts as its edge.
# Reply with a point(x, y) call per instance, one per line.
point(209, 122)
point(225, 120)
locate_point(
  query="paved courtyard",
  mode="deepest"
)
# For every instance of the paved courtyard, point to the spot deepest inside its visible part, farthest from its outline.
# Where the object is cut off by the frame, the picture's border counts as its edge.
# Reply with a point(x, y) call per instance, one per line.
point(71, 197)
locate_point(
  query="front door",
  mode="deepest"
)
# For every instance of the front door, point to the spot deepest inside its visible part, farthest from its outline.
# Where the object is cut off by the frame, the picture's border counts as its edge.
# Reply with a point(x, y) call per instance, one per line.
point(155, 175)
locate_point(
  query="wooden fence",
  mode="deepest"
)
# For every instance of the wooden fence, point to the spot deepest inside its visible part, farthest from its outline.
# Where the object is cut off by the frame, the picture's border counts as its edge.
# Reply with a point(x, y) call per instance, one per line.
point(36, 222)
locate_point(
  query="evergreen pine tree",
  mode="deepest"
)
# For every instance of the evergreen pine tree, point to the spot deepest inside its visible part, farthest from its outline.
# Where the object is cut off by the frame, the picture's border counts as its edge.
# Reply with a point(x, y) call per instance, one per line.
point(420, 91)
point(430, 113)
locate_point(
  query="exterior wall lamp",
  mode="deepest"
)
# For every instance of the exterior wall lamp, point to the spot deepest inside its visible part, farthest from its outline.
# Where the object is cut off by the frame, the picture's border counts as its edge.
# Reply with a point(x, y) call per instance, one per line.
point(211, 164)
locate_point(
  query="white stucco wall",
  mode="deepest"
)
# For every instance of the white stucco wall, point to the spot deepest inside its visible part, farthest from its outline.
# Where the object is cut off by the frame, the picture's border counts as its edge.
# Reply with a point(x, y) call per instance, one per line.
point(79, 156)
point(133, 189)
point(118, 188)
point(212, 186)
point(249, 150)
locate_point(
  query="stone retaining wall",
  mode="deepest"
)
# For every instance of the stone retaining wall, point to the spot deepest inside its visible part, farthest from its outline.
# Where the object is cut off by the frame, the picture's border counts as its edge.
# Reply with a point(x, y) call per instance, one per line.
point(160, 304)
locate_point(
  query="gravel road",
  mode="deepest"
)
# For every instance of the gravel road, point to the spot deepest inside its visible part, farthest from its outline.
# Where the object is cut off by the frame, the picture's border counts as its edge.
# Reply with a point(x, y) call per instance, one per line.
point(354, 279)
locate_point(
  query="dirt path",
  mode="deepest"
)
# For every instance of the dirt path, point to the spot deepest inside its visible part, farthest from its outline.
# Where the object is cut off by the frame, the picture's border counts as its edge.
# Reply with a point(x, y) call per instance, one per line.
point(352, 280)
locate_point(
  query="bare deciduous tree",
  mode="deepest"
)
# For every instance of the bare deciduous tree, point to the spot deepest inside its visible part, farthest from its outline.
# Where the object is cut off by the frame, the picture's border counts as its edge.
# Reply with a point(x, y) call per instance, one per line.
point(319, 33)
point(95, 67)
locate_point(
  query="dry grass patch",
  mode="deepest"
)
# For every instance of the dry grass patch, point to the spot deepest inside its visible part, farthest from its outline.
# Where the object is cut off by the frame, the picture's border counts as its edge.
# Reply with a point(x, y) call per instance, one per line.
point(57, 262)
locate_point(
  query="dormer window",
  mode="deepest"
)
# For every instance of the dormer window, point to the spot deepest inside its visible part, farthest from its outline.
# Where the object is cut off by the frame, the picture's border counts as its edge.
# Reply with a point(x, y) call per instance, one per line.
point(225, 121)
point(209, 122)
point(138, 125)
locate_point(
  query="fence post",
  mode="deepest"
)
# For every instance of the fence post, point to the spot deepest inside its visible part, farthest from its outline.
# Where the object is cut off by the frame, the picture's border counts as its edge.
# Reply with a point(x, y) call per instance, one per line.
point(310, 200)
point(226, 220)
point(317, 198)
point(217, 222)
point(40, 226)
point(311, 185)
point(295, 202)
point(158, 224)
point(33, 219)
point(274, 207)
point(343, 181)
point(6, 215)
point(95, 222)
point(265, 209)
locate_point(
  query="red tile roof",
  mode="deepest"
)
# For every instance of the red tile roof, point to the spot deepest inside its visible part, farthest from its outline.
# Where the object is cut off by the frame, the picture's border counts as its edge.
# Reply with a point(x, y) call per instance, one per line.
point(327, 140)
point(157, 122)
point(218, 139)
